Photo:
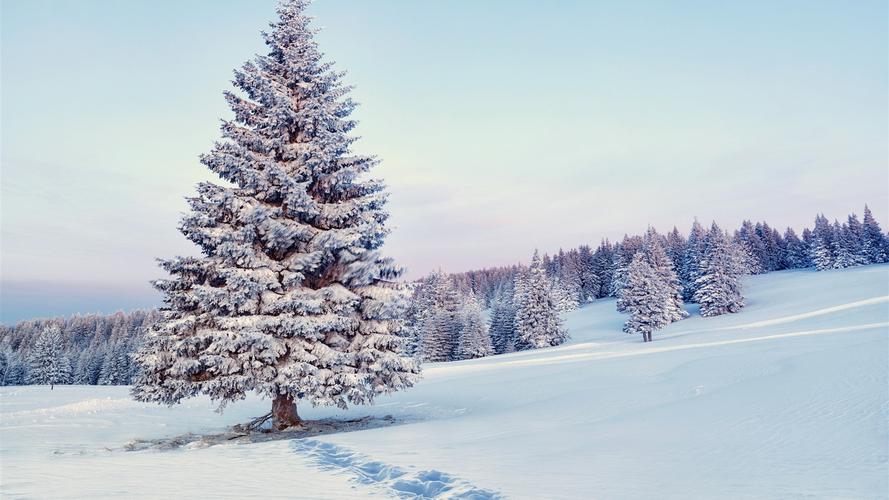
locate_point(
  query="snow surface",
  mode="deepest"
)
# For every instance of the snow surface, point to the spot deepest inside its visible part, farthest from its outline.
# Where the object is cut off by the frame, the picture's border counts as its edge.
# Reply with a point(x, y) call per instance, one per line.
point(787, 399)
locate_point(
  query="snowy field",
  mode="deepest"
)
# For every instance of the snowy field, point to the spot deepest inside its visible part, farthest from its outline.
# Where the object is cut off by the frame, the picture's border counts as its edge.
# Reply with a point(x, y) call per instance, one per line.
point(788, 399)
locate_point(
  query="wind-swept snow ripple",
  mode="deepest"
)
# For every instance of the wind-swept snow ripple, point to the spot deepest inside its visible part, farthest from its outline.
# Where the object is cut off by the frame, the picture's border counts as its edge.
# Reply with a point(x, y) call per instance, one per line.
point(806, 315)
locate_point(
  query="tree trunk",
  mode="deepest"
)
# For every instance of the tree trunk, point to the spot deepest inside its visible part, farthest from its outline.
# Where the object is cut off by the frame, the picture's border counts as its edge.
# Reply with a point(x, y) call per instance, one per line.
point(284, 413)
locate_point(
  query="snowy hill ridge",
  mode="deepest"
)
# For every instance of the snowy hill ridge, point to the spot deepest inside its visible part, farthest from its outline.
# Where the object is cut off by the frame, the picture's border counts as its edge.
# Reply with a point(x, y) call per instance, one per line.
point(787, 399)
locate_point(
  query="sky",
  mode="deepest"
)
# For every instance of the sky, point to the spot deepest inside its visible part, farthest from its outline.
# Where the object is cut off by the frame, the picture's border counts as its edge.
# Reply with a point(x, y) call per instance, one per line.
point(502, 126)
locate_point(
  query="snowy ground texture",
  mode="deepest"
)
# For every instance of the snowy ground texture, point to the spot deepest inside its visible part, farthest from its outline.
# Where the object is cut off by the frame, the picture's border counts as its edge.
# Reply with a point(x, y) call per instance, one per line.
point(788, 399)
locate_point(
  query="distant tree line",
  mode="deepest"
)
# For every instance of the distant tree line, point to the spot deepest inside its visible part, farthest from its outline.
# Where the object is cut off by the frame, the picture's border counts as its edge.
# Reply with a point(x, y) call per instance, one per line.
point(82, 349)
point(651, 275)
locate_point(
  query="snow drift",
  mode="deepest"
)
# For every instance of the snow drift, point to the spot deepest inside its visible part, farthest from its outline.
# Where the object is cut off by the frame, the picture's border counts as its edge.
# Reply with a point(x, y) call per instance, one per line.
point(786, 399)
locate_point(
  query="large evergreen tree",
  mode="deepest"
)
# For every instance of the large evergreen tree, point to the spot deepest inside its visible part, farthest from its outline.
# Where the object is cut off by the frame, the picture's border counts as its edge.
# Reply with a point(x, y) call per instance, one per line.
point(291, 298)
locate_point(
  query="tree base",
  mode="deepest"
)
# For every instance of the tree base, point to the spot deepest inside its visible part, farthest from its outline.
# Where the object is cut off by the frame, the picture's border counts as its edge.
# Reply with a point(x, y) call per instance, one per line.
point(284, 413)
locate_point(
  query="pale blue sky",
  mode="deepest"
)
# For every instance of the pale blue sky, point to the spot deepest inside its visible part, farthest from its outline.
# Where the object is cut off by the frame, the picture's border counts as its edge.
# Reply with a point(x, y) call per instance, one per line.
point(502, 125)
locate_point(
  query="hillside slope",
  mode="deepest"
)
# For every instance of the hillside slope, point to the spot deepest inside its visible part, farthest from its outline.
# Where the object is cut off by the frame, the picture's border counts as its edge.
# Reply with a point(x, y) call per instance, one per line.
point(787, 399)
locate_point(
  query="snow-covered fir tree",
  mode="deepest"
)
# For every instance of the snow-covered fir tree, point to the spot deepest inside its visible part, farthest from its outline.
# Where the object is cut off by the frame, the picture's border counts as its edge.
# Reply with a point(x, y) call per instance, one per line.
point(537, 322)
point(563, 296)
point(842, 246)
point(644, 299)
point(16, 371)
point(689, 272)
point(48, 363)
point(475, 341)
point(603, 262)
point(797, 250)
point(752, 248)
point(117, 368)
point(622, 256)
point(675, 245)
point(569, 277)
point(772, 247)
point(853, 236)
point(822, 246)
point(873, 243)
point(520, 287)
point(440, 323)
point(502, 328)
point(659, 261)
point(719, 286)
point(418, 308)
point(590, 283)
point(291, 298)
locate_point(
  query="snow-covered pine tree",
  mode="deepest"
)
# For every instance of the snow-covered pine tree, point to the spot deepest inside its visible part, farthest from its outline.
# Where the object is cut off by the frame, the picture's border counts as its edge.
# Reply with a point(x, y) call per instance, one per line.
point(659, 261)
point(691, 261)
point(753, 248)
point(440, 324)
point(675, 248)
point(644, 299)
point(475, 341)
point(569, 277)
point(589, 281)
point(822, 244)
point(419, 306)
point(537, 322)
point(90, 369)
point(719, 286)
point(797, 253)
point(603, 260)
point(853, 233)
point(771, 247)
point(872, 240)
point(291, 298)
point(622, 256)
point(564, 298)
point(520, 286)
point(48, 363)
point(502, 329)
point(16, 371)
point(116, 366)
point(778, 248)
point(843, 246)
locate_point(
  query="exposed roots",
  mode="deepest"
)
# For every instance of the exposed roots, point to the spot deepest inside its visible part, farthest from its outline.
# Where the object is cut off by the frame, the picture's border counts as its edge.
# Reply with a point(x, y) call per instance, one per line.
point(253, 425)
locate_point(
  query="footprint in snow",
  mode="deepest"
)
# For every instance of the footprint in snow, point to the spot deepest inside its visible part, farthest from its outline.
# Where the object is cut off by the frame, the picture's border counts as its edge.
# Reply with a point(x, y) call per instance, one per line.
point(401, 483)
